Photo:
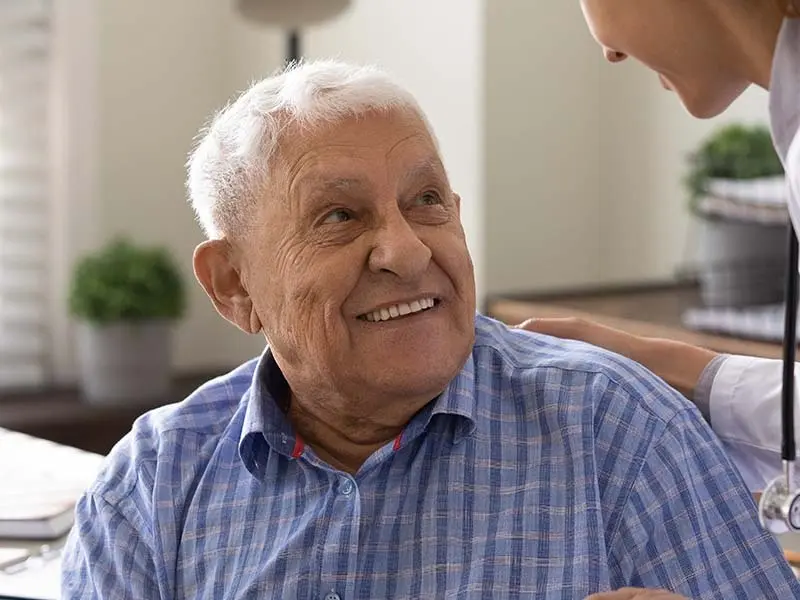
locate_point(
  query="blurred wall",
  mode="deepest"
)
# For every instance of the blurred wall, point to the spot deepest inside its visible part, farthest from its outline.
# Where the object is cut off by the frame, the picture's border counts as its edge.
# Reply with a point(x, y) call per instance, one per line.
point(646, 137)
point(543, 198)
point(435, 49)
point(584, 160)
point(163, 70)
point(569, 168)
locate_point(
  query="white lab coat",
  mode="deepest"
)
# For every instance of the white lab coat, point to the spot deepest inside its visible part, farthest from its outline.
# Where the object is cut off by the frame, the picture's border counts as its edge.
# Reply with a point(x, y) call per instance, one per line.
point(745, 395)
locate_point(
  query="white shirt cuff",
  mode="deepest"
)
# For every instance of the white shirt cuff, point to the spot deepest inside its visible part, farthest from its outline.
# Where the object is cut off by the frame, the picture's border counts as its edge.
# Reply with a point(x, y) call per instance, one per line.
point(702, 392)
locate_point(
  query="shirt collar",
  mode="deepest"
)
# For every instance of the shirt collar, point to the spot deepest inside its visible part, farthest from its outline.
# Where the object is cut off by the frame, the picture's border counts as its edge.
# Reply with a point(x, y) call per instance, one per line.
point(266, 422)
point(265, 419)
point(459, 399)
point(784, 102)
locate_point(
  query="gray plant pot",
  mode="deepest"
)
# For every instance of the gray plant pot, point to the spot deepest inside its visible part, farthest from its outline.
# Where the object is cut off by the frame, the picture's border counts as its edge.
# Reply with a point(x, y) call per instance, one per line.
point(743, 264)
point(125, 362)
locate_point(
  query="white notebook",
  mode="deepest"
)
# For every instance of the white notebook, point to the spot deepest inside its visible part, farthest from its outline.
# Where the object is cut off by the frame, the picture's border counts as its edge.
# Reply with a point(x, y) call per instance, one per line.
point(40, 482)
point(32, 573)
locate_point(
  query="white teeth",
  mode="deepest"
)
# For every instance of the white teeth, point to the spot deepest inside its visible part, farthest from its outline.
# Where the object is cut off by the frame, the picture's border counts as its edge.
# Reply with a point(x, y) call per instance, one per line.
point(399, 310)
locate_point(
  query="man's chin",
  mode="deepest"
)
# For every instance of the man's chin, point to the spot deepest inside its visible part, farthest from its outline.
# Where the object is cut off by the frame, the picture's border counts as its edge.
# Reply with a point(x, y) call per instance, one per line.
point(423, 372)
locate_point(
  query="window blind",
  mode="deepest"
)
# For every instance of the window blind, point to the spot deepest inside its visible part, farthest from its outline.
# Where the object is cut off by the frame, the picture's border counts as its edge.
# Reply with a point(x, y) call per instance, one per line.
point(25, 77)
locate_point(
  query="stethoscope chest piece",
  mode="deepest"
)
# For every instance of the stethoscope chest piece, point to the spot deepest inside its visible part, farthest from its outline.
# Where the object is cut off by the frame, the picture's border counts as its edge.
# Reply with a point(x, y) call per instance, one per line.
point(779, 508)
point(793, 511)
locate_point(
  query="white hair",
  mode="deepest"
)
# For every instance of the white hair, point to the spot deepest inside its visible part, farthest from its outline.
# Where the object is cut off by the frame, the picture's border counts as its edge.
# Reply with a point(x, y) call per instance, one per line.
point(230, 166)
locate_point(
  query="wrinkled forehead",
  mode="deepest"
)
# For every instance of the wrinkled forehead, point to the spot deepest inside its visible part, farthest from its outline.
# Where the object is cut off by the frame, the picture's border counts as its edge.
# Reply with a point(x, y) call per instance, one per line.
point(394, 143)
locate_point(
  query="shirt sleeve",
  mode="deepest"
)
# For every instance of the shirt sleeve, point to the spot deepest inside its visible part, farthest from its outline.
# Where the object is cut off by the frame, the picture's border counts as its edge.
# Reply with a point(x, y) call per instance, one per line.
point(702, 391)
point(106, 557)
point(745, 411)
point(689, 524)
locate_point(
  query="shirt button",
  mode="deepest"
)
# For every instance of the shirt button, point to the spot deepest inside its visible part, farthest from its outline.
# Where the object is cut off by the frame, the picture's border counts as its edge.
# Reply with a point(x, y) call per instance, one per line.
point(332, 596)
point(346, 488)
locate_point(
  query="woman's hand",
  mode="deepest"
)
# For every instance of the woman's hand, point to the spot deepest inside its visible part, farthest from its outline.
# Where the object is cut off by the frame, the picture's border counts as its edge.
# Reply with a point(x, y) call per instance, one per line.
point(679, 364)
point(573, 328)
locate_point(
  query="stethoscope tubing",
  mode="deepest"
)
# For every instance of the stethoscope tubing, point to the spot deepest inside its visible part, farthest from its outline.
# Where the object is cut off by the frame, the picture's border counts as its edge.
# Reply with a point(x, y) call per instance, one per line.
point(788, 444)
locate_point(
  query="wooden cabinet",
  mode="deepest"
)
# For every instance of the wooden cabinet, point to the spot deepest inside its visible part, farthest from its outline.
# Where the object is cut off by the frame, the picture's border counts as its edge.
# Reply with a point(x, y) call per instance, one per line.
point(64, 417)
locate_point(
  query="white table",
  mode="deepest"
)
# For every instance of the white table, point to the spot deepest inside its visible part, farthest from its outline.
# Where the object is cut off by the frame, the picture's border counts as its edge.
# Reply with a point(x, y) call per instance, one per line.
point(36, 578)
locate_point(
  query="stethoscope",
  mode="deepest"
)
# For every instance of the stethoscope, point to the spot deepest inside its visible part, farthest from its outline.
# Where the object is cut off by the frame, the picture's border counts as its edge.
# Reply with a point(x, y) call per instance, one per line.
point(779, 506)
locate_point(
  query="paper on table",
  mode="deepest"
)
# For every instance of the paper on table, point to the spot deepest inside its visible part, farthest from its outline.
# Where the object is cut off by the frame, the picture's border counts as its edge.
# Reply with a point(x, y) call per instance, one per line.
point(12, 556)
point(41, 483)
point(37, 578)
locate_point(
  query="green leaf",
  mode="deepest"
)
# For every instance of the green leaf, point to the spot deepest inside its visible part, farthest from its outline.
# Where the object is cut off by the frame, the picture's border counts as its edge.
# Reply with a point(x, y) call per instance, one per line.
point(732, 152)
point(125, 282)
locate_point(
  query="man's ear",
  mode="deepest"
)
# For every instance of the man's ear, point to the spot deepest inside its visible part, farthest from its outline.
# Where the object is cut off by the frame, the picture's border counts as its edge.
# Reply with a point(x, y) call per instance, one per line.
point(217, 268)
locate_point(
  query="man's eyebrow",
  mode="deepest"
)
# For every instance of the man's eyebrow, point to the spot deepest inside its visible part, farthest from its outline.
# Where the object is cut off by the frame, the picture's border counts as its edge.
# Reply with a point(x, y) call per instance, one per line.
point(320, 184)
point(428, 167)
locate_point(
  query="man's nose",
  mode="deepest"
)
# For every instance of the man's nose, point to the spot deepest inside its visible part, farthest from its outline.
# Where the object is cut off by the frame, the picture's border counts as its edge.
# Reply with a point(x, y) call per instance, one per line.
point(614, 56)
point(399, 250)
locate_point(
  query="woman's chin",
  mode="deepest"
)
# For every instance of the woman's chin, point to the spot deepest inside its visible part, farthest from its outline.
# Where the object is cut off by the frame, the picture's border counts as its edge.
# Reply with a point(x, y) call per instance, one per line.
point(708, 103)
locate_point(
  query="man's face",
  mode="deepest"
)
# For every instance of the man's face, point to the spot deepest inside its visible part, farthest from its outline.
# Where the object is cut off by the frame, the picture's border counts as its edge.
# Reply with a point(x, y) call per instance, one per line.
point(358, 268)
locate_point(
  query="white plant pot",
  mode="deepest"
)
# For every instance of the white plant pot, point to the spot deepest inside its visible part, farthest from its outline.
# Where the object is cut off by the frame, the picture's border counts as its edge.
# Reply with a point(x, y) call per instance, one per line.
point(125, 362)
point(770, 191)
point(742, 264)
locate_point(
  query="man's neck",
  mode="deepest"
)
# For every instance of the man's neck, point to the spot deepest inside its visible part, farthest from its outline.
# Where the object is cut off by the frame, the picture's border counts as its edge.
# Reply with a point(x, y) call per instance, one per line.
point(344, 438)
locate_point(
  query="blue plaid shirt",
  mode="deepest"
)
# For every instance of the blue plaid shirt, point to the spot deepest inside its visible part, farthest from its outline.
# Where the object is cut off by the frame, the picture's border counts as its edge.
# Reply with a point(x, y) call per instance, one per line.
point(547, 469)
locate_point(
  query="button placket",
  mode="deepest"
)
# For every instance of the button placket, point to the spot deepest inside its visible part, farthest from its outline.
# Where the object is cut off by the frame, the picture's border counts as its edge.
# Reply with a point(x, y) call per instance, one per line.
point(346, 486)
point(343, 530)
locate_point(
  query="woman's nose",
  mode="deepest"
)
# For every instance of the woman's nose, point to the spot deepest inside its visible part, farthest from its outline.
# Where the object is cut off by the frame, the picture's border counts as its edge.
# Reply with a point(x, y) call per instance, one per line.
point(614, 56)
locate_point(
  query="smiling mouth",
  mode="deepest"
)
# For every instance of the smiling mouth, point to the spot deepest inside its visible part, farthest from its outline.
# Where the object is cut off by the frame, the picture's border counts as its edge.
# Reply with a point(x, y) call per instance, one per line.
point(399, 311)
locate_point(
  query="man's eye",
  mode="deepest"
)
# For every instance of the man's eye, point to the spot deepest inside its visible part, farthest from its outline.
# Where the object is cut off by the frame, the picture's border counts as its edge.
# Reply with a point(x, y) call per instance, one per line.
point(429, 199)
point(339, 215)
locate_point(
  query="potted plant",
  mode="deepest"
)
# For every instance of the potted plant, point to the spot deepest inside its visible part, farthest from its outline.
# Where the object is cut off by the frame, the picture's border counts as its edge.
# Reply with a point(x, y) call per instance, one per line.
point(126, 299)
point(737, 162)
point(737, 190)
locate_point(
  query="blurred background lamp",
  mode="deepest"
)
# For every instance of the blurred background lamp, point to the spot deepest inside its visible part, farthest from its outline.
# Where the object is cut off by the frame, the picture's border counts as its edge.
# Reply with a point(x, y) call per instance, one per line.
point(292, 16)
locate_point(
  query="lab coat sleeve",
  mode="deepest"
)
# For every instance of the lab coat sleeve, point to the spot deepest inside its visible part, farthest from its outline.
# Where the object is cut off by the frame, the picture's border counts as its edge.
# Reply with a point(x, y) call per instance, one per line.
point(745, 411)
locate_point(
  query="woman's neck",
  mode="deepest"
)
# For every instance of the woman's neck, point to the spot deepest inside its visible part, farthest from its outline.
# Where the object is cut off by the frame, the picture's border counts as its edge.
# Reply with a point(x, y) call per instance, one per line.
point(754, 28)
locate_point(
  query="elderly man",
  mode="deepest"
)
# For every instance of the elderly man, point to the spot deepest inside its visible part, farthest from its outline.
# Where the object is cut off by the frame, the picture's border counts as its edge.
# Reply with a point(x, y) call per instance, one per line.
point(390, 443)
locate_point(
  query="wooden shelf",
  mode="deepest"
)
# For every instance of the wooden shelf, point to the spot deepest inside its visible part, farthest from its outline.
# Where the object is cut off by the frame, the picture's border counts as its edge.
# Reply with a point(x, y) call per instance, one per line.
point(63, 416)
point(651, 311)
